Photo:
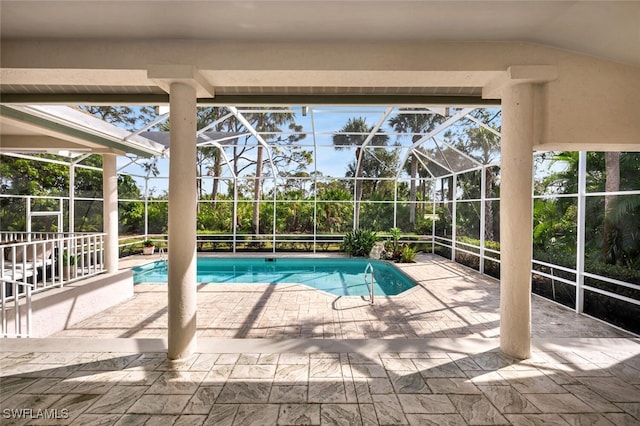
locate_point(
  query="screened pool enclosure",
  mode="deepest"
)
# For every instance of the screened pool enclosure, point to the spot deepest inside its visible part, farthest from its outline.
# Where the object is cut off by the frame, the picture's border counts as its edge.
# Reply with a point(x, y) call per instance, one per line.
point(297, 178)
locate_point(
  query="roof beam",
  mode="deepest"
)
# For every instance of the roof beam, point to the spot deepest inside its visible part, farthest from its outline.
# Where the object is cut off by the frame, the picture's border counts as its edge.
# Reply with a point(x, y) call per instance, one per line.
point(31, 143)
point(248, 99)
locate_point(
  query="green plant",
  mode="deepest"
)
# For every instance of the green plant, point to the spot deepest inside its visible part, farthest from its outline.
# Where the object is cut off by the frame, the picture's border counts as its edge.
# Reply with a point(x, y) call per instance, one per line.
point(395, 235)
point(147, 243)
point(408, 254)
point(394, 250)
point(68, 259)
point(359, 242)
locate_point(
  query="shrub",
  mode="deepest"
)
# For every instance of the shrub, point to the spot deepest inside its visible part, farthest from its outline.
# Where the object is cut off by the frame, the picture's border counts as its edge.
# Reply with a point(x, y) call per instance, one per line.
point(408, 254)
point(359, 242)
point(392, 247)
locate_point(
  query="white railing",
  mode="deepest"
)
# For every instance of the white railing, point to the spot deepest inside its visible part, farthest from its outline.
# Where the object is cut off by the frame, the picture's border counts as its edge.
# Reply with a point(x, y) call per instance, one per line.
point(35, 262)
point(17, 307)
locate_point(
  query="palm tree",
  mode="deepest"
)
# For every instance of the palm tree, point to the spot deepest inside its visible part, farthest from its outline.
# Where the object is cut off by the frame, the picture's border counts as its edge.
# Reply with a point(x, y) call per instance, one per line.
point(487, 144)
point(418, 124)
point(612, 184)
point(616, 240)
point(355, 133)
point(210, 153)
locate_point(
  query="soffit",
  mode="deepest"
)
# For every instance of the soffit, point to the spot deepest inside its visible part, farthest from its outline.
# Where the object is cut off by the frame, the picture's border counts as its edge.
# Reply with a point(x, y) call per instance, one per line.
point(607, 29)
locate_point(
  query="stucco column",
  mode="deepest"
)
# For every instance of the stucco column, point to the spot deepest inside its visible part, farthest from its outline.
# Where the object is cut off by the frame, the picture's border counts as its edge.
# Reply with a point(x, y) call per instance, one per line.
point(110, 212)
point(516, 220)
point(182, 222)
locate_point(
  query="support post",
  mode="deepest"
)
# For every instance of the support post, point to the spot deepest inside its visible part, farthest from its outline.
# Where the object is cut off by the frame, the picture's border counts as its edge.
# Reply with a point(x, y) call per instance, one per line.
point(395, 205)
point(483, 214)
point(235, 213)
point(110, 212)
point(182, 303)
point(146, 207)
point(72, 198)
point(454, 216)
point(580, 241)
point(516, 220)
point(433, 216)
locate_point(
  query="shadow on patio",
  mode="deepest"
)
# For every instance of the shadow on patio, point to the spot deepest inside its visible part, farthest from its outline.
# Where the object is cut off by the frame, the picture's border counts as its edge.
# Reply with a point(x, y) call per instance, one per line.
point(576, 386)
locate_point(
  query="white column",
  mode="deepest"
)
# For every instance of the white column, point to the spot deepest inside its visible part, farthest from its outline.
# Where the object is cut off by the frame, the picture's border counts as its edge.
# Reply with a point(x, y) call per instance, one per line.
point(110, 212)
point(516, 220)
point(182, 301)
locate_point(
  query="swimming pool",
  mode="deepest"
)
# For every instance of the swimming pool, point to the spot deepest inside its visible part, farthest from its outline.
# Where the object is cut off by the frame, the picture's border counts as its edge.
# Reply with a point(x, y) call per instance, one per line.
point(341, 277)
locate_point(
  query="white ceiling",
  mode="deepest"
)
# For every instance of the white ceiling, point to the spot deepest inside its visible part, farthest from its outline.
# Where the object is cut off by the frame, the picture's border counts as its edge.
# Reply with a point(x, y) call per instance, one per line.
point(607, 29)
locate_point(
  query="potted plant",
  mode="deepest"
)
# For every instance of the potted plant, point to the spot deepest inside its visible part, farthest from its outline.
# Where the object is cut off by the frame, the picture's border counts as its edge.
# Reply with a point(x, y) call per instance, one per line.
point(69, 265)
point(148, 248)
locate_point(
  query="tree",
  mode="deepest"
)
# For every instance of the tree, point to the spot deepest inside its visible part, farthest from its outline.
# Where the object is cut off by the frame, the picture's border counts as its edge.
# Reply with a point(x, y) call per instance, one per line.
point(21, 176)
point(613, 222)
point(210, 157)
point(485, 146)
point(269, 124)
point(418, 124)
point(130, 118)
point(612, 184)
point(355, 133)
point(333, 211)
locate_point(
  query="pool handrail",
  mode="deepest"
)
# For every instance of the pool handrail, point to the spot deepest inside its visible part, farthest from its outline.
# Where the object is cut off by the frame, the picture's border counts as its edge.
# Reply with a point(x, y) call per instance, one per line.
point(368, 268)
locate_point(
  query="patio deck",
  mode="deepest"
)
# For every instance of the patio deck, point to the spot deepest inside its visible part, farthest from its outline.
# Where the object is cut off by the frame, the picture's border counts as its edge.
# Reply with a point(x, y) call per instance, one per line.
point(449, 301)
point(290, 355)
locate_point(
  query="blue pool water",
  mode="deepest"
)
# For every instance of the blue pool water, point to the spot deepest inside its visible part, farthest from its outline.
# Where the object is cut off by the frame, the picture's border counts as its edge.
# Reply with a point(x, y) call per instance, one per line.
point(341, 277)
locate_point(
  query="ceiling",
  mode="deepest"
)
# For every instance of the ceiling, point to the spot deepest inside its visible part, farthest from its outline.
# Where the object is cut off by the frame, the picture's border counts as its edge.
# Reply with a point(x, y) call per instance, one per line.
point(606, 29)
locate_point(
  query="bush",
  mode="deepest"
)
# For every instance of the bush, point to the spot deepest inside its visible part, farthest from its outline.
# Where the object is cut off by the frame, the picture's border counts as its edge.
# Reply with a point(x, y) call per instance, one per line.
point(617, 272)
point(396, 251)
point(408, 254)
point(392, 247)
point(359, 242)
point(493, 245)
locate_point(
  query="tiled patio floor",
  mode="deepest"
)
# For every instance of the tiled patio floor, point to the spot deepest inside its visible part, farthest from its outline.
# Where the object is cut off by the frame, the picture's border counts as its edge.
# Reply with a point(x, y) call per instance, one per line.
point(429, 357)
point(450, 300)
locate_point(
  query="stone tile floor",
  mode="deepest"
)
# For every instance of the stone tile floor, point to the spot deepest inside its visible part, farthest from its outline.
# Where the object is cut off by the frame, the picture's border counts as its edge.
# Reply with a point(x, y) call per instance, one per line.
point(428, 357)
point(575, 386)
point(449, 300)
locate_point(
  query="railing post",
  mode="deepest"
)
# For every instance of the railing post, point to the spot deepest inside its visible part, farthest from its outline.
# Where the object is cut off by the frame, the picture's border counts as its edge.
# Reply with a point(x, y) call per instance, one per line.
point(29, 310)
point(3, 295)
point(28, 218)
point(16, 309)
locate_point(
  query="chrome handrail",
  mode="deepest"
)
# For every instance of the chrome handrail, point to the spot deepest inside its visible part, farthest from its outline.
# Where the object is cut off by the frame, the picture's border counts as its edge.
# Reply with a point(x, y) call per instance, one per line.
point(371, 292)
point(163, 257)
